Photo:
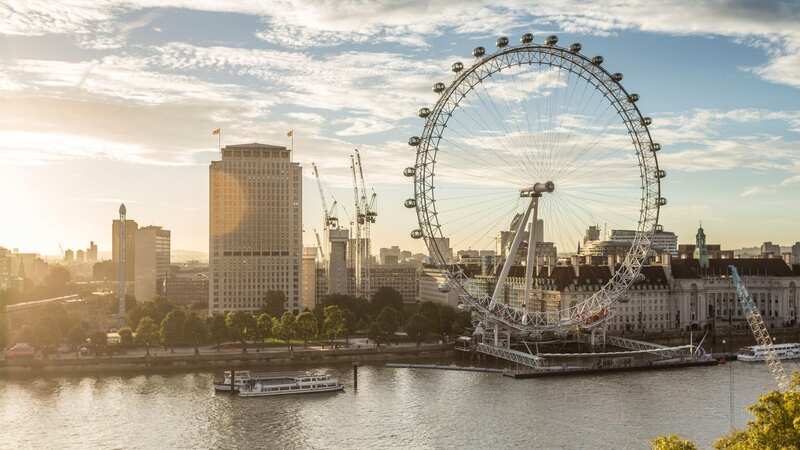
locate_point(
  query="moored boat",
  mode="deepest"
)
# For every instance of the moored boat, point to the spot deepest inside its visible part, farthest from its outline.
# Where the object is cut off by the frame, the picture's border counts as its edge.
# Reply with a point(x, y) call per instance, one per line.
point(241, 377)
point(284, 385)
point(759, 352)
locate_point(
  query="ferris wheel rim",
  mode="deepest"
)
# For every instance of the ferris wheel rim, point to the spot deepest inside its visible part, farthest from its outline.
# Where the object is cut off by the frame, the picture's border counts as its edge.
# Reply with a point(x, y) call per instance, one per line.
point(592, 71)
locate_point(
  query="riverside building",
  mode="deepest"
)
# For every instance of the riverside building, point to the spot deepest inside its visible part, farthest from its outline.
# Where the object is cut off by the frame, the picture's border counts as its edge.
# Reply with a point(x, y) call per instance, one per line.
point(255, 224)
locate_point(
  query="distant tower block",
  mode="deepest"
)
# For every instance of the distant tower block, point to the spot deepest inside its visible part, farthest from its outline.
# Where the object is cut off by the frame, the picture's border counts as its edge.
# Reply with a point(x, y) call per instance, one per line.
point(121, 270)
point(337, 264)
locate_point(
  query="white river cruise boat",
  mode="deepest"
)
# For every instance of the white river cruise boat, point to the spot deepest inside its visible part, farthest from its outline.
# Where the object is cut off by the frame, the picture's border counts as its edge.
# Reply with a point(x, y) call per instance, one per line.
point(284, 385)
point(242, 377)
point(758, 352)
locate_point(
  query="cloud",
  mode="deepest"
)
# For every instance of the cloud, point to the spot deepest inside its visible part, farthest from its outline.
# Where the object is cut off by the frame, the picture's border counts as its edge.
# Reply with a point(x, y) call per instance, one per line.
point(755, 190)
point(773, 25)
point(307, 117)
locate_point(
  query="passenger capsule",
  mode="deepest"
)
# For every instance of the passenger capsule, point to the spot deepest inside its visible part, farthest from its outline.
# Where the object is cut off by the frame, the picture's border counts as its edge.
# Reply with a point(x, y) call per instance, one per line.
point(414, 141)
point(416, 234)
point(409, 171)
point(660, 173)
point(655, 147)
point(502, 41)
point(526, 38)
point(597, 60)
point(646, 121)
point(424, 112)
point(662, 201)
point(551, 40)
point(478, 52)
point(410, 203)
point(633, 98)
point(575, 48)
point(457, 67)
point(438, 87)
point(616, 77)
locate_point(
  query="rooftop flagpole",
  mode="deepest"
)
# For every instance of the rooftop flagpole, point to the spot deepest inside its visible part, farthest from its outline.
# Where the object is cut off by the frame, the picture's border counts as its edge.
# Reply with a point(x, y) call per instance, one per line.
point(291, 146)
point(218, 132)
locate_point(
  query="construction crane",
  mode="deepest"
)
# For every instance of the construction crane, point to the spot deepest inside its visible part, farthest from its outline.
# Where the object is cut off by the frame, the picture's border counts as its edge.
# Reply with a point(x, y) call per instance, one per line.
point(329, 220)
point(319, 245)
point(366, 216)
point(759, 330)
point(357, 215)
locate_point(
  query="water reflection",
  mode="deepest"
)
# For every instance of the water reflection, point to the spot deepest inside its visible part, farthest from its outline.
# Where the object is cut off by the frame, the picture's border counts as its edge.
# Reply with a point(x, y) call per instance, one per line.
point(393, 408)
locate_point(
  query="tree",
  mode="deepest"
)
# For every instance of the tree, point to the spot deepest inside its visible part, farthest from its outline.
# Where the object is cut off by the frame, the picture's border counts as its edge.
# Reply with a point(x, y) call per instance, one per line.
point(306, 325)
point(775, 424)
point(333, 323)
point(431, 311)
point(417, 327)
point(146, 333)
point(350, 324)
point(263, 326)
point(273, 303)
point(375, 333)
point(99, 340)
point(386, 297)
point(76, 337)
point(217, 329)
point(194, 331)
point(240, 326)
point(671, 442)
point(389, 321)
point(172, 329)
point(125, 337)
point(46, 334)
point(287, 328)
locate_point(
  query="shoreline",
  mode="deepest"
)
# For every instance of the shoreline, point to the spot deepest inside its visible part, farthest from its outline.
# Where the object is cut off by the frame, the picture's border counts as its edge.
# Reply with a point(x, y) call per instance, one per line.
point(217, 361)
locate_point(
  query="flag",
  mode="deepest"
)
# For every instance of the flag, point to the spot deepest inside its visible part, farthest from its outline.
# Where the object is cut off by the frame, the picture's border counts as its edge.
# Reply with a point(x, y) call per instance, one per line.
point(290, 133)
point(215, 131)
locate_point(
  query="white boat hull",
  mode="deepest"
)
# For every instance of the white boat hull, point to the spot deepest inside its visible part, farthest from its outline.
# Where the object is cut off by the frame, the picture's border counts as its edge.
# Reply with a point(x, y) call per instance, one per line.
point(247, 393)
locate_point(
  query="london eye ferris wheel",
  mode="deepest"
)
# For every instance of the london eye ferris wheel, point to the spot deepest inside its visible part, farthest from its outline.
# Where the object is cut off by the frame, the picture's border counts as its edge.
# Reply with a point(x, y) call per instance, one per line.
point(534, 131)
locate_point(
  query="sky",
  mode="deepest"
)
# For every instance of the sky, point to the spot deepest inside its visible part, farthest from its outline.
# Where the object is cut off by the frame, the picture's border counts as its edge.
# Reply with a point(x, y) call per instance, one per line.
point(108, 101)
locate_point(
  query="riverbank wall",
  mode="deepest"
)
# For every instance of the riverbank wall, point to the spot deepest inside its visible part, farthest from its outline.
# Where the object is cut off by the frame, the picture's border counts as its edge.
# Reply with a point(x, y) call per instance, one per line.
point(220, 361)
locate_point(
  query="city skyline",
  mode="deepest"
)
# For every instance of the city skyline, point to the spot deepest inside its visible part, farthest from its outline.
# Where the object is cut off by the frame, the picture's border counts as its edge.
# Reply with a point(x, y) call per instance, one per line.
point(154, 82)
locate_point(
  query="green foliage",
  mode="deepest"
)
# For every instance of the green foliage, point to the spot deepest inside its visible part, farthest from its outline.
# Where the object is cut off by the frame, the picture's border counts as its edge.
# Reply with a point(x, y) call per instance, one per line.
point(217, 329)
point(99, 340)
point(156, 310)
point(671, 442)
point(194, 331)
point(306, 325)
point(240, 325)
point(76, 336)
point(146, 332)
point(417, 327)
point(775, 424)
point(359, 307)
point(273, 303)
point(172, 329)
point(375, 333)
point(288, 328)
point(389, 322)
point(334, 322)
point(263, 327)
point(125, 337)
point(386, 297)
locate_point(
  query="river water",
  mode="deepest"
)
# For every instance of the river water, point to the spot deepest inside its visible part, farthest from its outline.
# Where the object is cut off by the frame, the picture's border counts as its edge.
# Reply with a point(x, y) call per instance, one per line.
point(393, 408)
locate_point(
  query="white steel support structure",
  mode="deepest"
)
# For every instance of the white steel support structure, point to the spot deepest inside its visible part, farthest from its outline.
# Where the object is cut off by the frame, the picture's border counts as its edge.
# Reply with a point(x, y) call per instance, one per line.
point(759, 329)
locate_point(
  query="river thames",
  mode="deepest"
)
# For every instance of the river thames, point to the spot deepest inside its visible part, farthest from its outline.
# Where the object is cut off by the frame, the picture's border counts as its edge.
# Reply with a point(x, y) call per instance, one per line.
point(392, 408)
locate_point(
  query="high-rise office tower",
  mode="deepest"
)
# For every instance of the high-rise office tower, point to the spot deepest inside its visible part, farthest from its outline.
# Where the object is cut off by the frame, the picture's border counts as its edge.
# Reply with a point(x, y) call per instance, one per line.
point(255, 224)
point(152, 262)
point(308, 299)
point(123, 255)
point(337, 260)
point(91, 252)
